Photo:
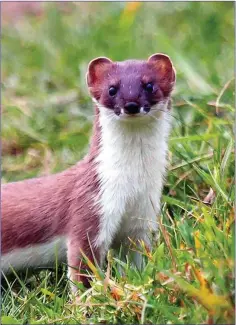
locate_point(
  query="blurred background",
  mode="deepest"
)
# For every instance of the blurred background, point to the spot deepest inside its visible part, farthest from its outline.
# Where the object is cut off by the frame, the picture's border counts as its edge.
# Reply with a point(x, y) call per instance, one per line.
point(46, 47)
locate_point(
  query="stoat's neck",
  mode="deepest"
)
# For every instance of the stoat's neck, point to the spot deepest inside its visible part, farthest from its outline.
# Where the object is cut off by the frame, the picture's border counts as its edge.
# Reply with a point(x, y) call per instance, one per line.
point(116, 139)
point(96, 137)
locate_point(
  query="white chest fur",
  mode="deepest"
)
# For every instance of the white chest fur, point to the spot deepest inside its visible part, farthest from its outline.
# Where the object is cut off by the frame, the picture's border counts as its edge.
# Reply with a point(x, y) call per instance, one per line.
point(131, 166)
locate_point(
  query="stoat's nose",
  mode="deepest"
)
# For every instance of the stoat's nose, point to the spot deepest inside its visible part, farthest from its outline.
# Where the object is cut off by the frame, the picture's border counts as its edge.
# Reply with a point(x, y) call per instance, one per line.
point(132, 108)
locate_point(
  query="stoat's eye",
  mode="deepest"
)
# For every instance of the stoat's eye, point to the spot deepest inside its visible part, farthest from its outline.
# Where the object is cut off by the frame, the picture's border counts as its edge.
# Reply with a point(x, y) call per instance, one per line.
point(149, 87)
point(112, 91)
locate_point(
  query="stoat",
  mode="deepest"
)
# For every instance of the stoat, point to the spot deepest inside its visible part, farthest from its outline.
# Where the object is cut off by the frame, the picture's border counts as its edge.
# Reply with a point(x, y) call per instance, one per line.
point(114, 192)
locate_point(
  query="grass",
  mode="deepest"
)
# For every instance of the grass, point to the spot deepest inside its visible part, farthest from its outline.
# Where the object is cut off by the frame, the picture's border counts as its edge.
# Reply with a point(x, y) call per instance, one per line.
point(188, 277)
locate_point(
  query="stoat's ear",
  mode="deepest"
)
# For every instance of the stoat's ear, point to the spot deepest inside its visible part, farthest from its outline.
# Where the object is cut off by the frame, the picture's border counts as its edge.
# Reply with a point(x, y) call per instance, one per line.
point(164, 67)
point(96, 70)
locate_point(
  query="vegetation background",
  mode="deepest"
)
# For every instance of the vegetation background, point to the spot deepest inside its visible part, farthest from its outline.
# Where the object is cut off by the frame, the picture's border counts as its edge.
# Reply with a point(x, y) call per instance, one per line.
point(46, 124)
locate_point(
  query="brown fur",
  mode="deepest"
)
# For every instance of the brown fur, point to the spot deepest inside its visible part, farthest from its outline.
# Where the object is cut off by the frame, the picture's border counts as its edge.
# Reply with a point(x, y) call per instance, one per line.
point(36, 210)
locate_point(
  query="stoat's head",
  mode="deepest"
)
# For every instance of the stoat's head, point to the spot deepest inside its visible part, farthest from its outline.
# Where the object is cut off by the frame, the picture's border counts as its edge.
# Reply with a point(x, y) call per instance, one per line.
point(131, 88)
